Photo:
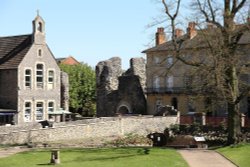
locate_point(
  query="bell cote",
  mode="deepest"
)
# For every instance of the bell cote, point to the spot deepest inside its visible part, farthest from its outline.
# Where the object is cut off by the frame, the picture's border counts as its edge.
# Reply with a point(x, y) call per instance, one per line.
point(38, 30)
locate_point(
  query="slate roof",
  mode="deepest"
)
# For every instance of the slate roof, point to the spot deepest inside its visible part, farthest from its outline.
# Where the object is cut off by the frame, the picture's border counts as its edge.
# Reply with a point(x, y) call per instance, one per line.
point(199, 41)
point(13, 49)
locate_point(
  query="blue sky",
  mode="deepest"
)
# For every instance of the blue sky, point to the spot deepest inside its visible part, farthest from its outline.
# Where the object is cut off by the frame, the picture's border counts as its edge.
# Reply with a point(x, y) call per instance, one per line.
point(91, 31)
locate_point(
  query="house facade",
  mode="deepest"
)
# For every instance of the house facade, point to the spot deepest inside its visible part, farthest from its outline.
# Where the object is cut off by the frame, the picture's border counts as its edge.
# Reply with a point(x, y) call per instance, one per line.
point(67, 61)
point(30, 79)
point(170, 81)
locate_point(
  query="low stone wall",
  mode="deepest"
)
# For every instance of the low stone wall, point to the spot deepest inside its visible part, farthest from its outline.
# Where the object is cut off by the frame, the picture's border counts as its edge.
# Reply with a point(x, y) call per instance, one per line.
point(99, 127)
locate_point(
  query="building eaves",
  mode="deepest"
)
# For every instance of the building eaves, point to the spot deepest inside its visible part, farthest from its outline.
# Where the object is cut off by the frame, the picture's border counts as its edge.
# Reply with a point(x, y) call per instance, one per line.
point(13, 49)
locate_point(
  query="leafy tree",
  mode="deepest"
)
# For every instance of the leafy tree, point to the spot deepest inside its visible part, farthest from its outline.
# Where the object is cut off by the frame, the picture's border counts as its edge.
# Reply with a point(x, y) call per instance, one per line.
point(223, 64)
point(82, 88)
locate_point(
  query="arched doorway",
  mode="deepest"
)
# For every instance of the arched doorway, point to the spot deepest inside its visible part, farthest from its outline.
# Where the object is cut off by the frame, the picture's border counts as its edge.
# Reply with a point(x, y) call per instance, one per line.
point(123, 110)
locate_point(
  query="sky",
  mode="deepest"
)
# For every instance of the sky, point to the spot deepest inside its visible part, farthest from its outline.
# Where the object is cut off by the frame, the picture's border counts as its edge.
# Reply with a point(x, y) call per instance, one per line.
point(91, 31)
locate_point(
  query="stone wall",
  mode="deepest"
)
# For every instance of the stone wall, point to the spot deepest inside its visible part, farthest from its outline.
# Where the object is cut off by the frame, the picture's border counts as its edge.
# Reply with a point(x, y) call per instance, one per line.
point(120, 92)
point(98, 127)
point(64, 91)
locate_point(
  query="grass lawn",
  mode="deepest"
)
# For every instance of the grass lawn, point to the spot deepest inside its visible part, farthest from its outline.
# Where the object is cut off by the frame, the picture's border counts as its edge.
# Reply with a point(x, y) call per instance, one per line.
point(108, 157)
point(239, 154)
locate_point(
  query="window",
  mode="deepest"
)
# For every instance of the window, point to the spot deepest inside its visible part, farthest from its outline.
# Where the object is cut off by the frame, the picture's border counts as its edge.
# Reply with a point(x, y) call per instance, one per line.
point(191, 106)
point(156, 83)
point(188, 81)
point(169, 82)
point(51, 107)
point(27, 112)
point(158, 104)
point(28, 78)
point(51, 79)
point(39, 111)
point(40, 27)
point(39, 76)
point(156, 60)
point(169, 61)
point(39, 52)
point(174, 103)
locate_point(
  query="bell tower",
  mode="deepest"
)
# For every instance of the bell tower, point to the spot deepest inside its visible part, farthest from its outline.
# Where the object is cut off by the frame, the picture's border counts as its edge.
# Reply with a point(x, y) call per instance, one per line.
point(38, 30)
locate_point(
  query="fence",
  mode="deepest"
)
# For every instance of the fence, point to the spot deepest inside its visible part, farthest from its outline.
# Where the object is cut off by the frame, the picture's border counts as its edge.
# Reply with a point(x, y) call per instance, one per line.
point(209, 120)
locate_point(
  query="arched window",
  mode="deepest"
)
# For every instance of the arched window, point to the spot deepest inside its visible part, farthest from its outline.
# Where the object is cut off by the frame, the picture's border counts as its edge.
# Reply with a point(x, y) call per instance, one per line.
point(28, 78)
point(39, 52)
point(40, 27)
point(39, 111)
point(51, 79)
point(27, 112)
point(39, 76)
point(51, 106)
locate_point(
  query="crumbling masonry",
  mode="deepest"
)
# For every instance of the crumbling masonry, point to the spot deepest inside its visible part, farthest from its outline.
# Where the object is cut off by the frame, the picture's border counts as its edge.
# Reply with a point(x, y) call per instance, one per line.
point(120, 92)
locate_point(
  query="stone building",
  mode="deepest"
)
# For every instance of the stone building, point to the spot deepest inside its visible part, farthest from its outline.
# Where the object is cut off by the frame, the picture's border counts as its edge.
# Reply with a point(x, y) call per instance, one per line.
point(30, 79)
point(120, 92)
point(170, 82)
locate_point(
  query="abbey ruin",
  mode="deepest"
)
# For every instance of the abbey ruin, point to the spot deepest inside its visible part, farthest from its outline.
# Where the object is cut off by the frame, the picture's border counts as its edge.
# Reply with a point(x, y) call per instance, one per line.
point(120, 92)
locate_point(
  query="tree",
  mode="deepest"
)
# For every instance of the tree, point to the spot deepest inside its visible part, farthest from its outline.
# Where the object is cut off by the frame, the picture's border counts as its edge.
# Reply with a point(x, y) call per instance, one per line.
point(224, 63)
point(82, 88)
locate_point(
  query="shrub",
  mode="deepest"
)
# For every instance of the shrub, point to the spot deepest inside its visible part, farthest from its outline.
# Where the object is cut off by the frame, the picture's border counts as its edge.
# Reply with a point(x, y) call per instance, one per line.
point(130, 140)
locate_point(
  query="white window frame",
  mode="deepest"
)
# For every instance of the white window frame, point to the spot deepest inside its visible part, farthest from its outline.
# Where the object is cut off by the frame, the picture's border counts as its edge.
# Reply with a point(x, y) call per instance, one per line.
point(30, 77)
point(51, 84)
point(40, 85)
point(26, 116)
point(49, 107)
point(41, 113)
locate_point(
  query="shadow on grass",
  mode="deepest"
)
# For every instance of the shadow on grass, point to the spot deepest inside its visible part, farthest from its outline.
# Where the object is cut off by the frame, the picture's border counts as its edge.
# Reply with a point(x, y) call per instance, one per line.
point(45, 164)
point(113, 154)
point(110, 154)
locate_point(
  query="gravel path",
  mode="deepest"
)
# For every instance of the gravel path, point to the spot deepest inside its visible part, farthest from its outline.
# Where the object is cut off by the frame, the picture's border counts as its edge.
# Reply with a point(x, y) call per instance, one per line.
point(204, 158)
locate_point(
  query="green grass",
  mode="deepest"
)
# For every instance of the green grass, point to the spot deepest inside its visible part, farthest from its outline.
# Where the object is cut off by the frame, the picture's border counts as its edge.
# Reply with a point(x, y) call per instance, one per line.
point(239, 154)
point(110, 157)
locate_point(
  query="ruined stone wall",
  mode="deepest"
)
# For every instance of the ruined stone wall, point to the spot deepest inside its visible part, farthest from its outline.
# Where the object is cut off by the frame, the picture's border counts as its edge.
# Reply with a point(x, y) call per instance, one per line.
point(107, 73)
point(99, 127)
point(64, 91)
point(120, 93)
point(138, 66)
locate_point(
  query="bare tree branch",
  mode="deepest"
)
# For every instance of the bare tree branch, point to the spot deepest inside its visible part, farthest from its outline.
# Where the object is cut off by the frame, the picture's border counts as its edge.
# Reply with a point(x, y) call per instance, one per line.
point(208, 19)
point(236, 8)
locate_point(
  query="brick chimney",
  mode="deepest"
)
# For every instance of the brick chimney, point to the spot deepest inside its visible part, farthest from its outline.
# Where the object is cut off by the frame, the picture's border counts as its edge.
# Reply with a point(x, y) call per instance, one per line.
point(191, 31)
point(160, 36)
point(178, 33)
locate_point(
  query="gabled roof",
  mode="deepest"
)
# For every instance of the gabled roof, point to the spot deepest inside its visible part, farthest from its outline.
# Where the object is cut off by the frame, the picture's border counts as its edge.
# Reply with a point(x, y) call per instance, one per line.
point(13, 49)
point(67, 60)
point(197, 42)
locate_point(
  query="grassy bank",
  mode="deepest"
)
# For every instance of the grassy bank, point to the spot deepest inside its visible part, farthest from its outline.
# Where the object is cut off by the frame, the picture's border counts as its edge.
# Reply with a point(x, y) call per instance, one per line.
point(239, 154)
point(112, 157)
